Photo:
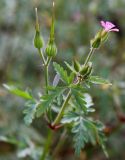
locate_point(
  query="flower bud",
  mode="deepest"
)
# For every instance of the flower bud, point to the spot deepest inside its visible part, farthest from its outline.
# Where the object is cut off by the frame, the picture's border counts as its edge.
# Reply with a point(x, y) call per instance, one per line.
point(38, 41)
point(51, 49)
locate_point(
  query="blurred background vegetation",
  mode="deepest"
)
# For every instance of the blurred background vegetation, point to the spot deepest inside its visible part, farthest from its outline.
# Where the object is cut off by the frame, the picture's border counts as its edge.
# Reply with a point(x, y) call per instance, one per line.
point(77, 21)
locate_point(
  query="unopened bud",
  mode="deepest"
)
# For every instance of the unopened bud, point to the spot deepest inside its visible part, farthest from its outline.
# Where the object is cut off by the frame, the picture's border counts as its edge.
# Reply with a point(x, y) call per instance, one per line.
point(38, 41)
point(51, 49)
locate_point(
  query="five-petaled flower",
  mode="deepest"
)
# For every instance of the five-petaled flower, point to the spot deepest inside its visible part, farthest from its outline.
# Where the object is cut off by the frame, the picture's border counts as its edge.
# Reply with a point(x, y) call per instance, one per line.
point(108, 26)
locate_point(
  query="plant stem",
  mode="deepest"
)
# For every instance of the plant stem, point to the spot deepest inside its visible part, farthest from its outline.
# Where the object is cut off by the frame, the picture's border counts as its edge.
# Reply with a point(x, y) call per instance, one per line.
point(47, 145)
point(60, 114)
point(48, 61)
point(50, 133)
point(42, 56)
point(46, 78)
point(89, 56)
point(46, 73)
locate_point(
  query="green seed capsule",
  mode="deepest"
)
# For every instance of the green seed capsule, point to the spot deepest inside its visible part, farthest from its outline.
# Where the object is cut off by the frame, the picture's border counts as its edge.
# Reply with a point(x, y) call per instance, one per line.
point(38, 41)
point(51, 49)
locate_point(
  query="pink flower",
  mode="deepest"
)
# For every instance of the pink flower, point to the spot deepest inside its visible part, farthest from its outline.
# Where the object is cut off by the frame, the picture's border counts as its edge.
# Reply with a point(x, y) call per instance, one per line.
point(109, 27)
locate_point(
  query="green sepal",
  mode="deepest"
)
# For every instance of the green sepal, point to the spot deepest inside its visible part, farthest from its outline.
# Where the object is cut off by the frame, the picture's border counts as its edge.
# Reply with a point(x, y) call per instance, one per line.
point(96, 41)
point(104, 36)
point(76, 65)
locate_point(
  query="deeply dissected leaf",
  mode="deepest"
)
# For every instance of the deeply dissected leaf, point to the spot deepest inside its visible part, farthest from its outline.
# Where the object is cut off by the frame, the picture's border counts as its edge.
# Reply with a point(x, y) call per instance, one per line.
point(88, 100)
point(18, 92)
point(86, 131)
point(80, 99)
point(92, 131)
point(98, 80)
point(70, 117)
point(30, 112)
point(47, 100)
point(102, 140)
point(62, 73)
point(80, 137)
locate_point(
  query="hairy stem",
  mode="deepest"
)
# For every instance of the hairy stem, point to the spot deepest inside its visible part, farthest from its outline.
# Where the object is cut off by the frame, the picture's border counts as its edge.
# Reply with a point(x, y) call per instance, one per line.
point(49, 138)
point(46, 78)
point(46, 73)
point(50, 133)
point(60, 114)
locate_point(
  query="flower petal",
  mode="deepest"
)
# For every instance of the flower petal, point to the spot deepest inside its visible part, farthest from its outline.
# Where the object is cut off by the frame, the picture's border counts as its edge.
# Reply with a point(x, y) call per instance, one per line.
point(103, 24)
point(114, 30)
point(109, 25)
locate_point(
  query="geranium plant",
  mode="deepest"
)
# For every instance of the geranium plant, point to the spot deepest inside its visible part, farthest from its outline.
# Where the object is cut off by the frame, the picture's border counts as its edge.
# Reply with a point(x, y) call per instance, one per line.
point(65, 102)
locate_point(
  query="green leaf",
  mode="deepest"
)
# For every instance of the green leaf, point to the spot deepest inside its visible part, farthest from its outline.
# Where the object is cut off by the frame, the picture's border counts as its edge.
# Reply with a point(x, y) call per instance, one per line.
point(18, 92)
point(102, 140)
point(47, 100)
point(63, 73)
point(92, 131)
point(80, 99)
point(30, 112)
point(86, 130)
point(98, 80)
point(70, 117)
point(71, 78)
point(81, 136)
